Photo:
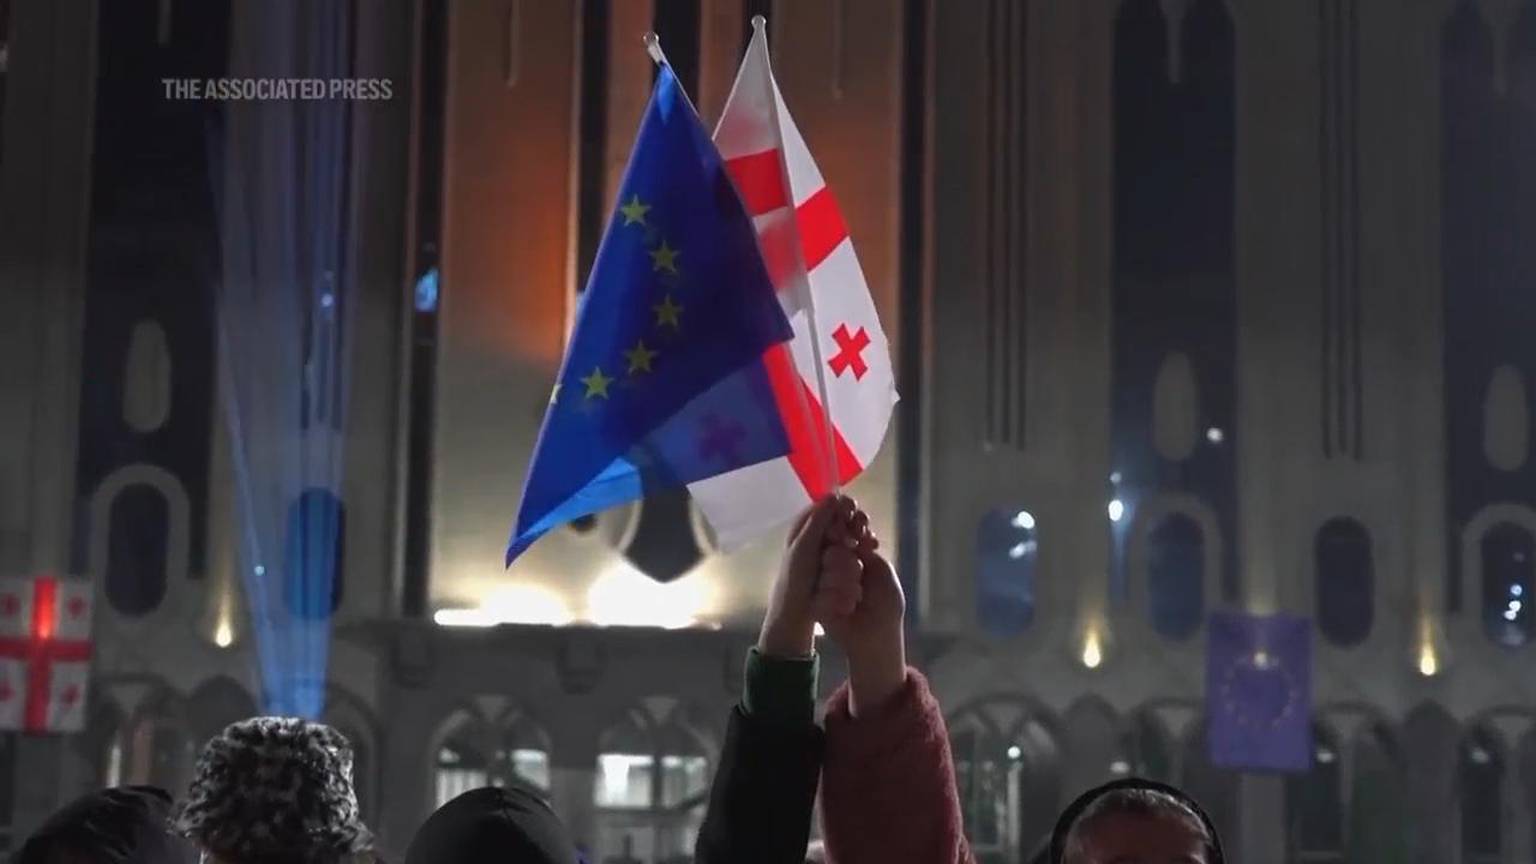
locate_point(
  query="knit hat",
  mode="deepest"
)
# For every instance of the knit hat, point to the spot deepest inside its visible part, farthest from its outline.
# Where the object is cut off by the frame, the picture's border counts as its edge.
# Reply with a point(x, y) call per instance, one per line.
point(1076, 809)
point(275, 790)
point(491, 826)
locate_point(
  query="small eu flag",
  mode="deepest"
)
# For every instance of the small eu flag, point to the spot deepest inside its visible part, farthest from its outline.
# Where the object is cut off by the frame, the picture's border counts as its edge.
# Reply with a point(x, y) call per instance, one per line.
point(662, 383)
point(1258, 692)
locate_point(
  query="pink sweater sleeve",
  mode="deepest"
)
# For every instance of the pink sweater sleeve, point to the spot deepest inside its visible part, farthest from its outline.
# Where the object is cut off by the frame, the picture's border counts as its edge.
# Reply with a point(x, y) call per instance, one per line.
point(888, 783)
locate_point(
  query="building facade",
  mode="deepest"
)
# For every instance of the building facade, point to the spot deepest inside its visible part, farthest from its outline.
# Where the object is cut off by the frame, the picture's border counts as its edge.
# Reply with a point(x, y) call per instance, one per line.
point(1197, 305)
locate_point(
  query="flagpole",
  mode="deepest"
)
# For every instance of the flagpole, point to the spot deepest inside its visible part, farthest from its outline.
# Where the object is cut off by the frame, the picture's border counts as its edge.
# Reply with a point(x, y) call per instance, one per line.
point(653, 48)
point(659, 57)
point(834, 479)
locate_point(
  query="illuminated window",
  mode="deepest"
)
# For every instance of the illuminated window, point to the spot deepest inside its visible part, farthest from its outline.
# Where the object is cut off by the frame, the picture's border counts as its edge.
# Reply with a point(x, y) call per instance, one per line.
point(1176, 576)
point(160, 750)
point(112, 770)
point(479, 753)
point(1007, 550)
point(981, 776)
point(1480, 783)
point(1314, 806)
point(1346, 582)
point(1509, 554)
point(1007, 773)
point(461, 766)
point(652, 785)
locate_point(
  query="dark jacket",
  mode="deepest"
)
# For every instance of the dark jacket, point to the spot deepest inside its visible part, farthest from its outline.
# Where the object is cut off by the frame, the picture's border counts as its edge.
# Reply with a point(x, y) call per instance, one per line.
point(123, 825)
point(763, 794)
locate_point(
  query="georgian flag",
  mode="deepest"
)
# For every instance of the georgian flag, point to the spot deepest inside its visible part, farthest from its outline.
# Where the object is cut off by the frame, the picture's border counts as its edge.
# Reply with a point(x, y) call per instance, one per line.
point(45, 653)
point(810, 258)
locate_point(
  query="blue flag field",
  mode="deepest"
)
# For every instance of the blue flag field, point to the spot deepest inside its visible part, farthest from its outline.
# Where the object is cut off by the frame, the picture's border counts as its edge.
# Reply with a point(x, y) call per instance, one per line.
point(662, 383)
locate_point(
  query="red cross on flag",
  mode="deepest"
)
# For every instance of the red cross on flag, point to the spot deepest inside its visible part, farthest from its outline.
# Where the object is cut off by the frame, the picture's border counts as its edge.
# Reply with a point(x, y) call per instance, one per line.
point(45, 653)
point(805, 244)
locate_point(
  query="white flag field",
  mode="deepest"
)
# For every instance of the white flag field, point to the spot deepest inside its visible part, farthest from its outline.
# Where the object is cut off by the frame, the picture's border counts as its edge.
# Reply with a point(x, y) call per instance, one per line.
point(833, 383)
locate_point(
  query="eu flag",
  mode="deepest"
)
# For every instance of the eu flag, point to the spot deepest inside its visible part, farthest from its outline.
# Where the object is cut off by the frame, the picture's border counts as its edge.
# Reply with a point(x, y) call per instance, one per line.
point(1258, 692)
point(662, 383)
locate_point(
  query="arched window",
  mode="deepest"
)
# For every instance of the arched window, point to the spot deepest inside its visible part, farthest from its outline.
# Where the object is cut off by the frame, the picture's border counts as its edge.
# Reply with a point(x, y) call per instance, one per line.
point(1006, 554)
point(524, 751)
point(1215, 787)
point(137, 549)
point(1528, 772)
point(478, 752)
point(103, 745)
point(1509, 554)
point(653, 774)
point(1007, 772)
point(1346, 582)
point(1314, 805)
point(1378, 807)
point(1176, 576)
point(1480, 786)
point(462, 765)
point(215, 705)
point(626, 765)
point(987, 798)
point(1147, 749)
point(160, 750)
point(316, 554)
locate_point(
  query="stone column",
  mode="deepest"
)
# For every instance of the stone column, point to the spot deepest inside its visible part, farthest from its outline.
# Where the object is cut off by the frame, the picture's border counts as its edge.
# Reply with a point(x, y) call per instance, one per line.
point(1261, 838)
point(1276, 254)
point(1515, 794)
point(44, 204)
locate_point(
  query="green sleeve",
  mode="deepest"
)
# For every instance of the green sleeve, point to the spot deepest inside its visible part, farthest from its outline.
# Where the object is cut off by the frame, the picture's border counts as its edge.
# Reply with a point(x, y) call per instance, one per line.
point(780, 690)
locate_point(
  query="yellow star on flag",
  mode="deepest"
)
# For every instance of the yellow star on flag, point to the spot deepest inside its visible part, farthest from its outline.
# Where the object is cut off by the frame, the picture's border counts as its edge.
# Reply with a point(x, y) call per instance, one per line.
point(634, 212)
point(667, 313)
point(640, 358)
point(597, 384)
point(664, 259)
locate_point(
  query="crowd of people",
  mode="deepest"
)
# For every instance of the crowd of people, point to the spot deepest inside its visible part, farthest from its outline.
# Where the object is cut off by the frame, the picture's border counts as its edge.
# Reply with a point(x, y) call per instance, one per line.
point(272, 790)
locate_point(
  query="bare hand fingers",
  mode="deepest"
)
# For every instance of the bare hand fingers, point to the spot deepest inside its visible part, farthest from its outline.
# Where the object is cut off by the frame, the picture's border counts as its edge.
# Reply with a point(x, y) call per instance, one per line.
point(813, 521)
point(840, 587)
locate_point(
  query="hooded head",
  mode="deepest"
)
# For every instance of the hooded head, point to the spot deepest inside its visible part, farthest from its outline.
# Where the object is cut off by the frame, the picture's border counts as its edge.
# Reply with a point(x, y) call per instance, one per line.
point(493, 826)
point(125, 825)
point(1135, 816)
point(275, 790)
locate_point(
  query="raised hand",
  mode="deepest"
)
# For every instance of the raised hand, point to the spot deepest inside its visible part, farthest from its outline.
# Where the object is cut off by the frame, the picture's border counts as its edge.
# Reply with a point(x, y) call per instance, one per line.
point(859, 602)
point(789, 626)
